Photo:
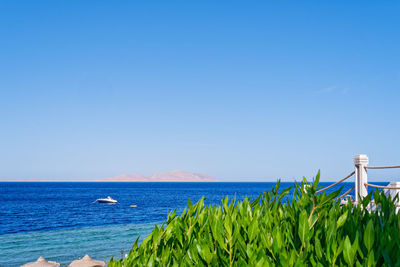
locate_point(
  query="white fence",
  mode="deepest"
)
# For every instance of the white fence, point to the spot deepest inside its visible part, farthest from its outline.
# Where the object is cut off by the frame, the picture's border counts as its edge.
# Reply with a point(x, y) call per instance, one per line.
point(361, 180)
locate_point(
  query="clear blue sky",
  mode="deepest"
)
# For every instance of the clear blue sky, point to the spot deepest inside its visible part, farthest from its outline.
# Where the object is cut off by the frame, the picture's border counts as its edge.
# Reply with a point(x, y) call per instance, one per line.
point(239, 90)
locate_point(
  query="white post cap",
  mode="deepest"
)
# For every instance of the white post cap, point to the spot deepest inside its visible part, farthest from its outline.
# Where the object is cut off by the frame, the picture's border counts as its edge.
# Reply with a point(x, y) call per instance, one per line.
point(361, 159)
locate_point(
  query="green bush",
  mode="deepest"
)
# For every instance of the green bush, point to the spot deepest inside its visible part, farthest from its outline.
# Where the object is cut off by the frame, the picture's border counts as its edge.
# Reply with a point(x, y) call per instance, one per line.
point(310, 230)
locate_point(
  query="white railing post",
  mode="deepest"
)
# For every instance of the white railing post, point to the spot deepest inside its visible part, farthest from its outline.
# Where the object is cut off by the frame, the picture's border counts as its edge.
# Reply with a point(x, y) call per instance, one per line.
point(360, 162)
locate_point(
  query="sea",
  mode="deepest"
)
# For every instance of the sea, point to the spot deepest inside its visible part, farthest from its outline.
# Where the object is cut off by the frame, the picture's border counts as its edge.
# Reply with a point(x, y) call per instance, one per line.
point(60, 222)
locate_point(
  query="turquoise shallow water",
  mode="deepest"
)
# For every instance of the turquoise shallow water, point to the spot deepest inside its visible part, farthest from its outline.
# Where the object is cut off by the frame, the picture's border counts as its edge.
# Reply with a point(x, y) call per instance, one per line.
point(100, 242)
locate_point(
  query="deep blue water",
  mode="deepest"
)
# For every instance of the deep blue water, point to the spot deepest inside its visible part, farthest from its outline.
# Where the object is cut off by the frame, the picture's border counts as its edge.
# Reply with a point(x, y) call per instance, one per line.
point(60, 221)
point(50, 206)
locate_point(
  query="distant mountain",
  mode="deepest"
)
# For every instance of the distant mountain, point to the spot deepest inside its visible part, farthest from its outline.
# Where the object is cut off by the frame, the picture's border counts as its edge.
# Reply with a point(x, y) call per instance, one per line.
point(172, 176)
point(21, 180)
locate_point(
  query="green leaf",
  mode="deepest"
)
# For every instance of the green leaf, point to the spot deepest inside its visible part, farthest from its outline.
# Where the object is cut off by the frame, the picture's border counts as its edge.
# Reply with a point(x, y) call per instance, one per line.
point(228, 225)
point(303, 226)
point(342, 219)
point(278, 237)
point(190, 203)
point(318, 249)
point(284, 192)
point(371, 259)
point(347, 251)
point(316, 181)
point(253, 230)
point(171, 216)
point(387, 259)
point(256, 201)
point(354, 247)
point(204, 252)
point(369, 235)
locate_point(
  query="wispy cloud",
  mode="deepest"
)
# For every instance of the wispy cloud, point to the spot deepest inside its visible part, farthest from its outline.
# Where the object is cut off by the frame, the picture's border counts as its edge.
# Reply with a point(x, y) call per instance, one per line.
point(197, 144)
point(327, 89)
point(333, 89)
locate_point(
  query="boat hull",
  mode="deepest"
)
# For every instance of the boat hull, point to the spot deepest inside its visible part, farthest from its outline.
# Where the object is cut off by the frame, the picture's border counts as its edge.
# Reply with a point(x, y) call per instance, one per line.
point(106, 201)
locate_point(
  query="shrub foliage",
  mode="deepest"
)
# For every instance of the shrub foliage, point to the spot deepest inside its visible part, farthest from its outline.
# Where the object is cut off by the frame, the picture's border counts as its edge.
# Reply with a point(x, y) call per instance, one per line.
point(310, 230)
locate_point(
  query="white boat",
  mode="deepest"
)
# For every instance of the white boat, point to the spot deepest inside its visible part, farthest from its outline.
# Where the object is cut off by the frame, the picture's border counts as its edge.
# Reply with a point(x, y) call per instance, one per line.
point(107, 200)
